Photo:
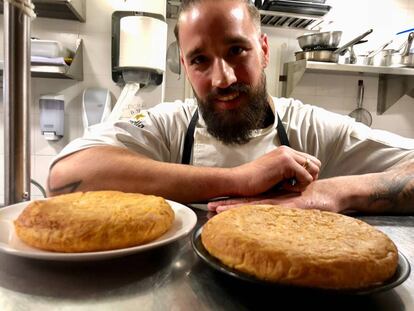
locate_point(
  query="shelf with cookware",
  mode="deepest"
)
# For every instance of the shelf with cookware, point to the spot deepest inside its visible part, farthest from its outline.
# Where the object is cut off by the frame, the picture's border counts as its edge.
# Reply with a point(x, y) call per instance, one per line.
point(320, 53)
point(52, 59)
point(393, 83)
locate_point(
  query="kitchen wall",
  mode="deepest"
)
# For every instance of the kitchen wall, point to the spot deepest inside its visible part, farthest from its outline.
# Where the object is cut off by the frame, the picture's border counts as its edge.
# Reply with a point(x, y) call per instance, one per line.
point(331, 91)
point(338, 92)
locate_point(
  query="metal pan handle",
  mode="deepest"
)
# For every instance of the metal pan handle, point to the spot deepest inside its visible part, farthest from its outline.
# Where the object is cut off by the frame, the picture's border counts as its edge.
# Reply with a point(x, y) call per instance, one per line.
point(352, 42)
point(373, 53)
point(409, 42)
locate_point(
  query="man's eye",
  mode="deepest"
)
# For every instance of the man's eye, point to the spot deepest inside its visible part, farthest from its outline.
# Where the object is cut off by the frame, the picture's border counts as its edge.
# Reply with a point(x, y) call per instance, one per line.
point(198, 60)
point(236, 50)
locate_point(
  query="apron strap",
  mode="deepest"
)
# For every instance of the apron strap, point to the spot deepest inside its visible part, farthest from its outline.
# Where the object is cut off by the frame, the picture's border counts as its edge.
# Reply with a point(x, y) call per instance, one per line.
point(281, 132)
point(189, 137)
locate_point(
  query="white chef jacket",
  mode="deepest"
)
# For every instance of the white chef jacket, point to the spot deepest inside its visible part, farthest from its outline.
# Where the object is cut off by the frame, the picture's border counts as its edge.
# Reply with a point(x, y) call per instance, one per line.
point(344, 147)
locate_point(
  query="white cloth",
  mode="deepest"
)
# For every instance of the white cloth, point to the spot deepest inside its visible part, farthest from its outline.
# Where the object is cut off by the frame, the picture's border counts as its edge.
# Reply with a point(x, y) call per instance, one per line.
point(25, 6)
point(344, 146)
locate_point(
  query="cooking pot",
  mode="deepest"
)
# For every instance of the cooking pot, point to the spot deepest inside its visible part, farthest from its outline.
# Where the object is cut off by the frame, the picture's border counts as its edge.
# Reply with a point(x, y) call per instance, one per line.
point(382, 58)
point(366, 59)
point(405, 58)
point(321, 40)
point(330, 55)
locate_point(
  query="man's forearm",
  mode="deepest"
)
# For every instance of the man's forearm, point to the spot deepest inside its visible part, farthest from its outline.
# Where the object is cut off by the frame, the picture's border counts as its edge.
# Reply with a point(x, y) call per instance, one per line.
point(111, 168)
point(387, 192)
point(376, 193)
point(114, 168)
point(393, 191)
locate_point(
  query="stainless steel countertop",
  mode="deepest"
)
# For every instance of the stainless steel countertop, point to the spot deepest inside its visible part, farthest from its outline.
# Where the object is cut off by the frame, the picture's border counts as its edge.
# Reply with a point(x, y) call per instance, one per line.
point(174, 278)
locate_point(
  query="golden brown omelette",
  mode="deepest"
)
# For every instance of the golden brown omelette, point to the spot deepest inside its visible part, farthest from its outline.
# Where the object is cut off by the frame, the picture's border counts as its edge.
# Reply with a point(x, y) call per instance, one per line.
point(308, 248)
point(94, 221)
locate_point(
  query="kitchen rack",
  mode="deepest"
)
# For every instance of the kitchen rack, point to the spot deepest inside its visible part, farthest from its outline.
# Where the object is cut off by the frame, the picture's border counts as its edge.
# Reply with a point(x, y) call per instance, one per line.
point(60, 9)
point(393, 83)
point(73, 71)
point(268, 18)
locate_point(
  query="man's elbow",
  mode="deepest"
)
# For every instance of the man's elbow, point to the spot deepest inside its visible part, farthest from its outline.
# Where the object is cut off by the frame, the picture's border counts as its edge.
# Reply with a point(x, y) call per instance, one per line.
point(58, 180)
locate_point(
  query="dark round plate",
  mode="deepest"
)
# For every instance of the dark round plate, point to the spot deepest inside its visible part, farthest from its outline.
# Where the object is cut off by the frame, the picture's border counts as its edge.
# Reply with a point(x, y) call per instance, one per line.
point(402, 273)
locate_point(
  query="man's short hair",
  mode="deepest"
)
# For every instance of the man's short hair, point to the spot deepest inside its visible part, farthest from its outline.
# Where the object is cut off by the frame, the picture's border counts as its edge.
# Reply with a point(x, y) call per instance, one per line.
point(187, 4)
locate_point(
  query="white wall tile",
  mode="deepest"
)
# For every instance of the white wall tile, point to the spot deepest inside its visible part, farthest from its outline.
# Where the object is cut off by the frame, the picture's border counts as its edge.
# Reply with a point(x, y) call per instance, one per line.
point(306, 86)
point(330, 85)
point(41, 170)
point(175, 80)
point(173, 93)
point(98, 17)
point(97, 54)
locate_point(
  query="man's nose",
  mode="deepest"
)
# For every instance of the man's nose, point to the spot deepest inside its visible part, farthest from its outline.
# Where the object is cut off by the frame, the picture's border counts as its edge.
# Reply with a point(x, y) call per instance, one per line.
point(223, 74)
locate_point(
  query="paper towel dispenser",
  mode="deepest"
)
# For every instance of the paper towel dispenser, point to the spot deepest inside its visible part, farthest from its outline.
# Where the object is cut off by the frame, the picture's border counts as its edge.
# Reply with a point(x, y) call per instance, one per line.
point(139, 43)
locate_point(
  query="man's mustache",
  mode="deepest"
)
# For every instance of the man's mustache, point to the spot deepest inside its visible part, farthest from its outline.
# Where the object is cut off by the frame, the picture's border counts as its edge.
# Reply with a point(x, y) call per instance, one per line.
point(237, 87)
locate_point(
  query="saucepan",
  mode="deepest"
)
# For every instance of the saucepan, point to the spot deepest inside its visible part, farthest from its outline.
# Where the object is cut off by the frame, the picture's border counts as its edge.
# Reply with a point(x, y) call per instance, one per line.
point(383, 57)
point(404, 58)
point(329, 55)
point(368, 58)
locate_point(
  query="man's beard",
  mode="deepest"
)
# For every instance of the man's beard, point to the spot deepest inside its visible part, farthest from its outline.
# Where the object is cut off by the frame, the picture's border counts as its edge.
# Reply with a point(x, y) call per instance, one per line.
point(234, 126)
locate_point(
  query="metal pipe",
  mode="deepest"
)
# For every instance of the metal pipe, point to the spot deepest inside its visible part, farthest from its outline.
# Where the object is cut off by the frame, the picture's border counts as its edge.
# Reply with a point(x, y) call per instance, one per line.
point(16, 95)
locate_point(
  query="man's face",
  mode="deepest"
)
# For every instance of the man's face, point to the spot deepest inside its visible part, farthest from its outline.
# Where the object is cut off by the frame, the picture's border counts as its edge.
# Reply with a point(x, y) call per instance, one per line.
point(224, 57)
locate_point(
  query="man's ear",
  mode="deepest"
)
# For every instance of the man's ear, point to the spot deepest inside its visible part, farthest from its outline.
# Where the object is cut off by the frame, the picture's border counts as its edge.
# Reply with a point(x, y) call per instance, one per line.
point(265, 49)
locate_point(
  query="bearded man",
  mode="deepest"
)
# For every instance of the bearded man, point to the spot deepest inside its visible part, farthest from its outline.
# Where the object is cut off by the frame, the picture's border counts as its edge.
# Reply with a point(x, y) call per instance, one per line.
point(234, 140)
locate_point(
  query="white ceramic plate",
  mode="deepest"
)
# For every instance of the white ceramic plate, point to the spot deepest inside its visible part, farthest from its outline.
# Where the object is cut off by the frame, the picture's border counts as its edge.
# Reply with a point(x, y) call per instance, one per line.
point(185, 220)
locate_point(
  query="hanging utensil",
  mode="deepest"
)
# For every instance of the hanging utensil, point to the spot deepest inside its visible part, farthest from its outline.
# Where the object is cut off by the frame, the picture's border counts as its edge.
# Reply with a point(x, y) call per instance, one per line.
point(361, 114)
point(329, 55)
point(173, 58)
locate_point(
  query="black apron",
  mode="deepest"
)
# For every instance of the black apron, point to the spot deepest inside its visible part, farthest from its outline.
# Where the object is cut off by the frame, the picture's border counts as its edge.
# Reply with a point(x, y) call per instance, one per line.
point(189, 137)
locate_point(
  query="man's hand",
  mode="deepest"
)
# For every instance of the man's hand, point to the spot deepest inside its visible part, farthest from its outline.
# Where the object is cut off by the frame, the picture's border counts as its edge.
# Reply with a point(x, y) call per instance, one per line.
point(377, 193)
point(277, 167)
point(316, 196)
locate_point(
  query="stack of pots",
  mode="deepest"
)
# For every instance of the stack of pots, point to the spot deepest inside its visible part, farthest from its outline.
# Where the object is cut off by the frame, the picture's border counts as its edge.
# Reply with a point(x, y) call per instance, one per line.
point(323, 46)
point(400, 57)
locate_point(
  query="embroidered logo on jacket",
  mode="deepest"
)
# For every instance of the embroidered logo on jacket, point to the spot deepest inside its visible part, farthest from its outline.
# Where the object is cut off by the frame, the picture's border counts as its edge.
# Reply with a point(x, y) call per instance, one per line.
point(137, 119)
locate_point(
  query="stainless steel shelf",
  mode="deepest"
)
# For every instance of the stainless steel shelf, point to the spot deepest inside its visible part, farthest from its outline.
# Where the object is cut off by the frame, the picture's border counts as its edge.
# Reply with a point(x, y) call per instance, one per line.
point(74, 71)
point(360, 68)
point(393, 83)
point(60, 9)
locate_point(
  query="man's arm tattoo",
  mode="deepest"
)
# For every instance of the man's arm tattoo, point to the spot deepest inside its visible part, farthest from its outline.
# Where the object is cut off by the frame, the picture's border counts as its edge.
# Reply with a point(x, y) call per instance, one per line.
point(394, 193)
